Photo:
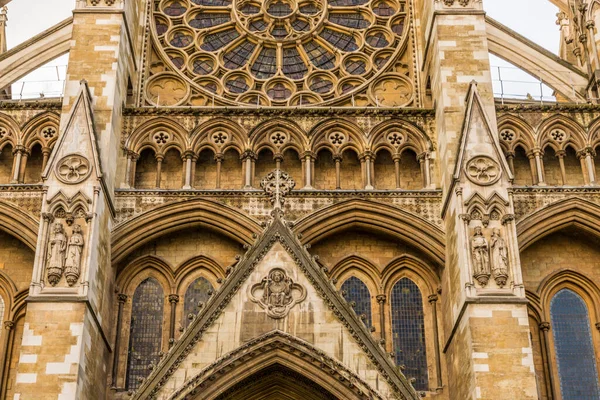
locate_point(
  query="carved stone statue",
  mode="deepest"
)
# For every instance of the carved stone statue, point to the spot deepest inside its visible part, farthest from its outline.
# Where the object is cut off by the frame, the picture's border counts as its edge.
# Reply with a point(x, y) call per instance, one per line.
point(57, 246)
point(499, 258)
point(480, 256)
point(73, 261)
point(279, 293)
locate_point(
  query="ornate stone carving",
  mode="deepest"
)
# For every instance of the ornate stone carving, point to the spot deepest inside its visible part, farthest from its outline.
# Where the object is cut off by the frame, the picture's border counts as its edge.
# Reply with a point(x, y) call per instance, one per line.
point(167, 90)
point(73, 169)
point(57, 247)
point(74, 251)
point(277, 184)
point(391, 90)
point(279, 293)
point(499, 258)
point(483, 171)
point(480, 256)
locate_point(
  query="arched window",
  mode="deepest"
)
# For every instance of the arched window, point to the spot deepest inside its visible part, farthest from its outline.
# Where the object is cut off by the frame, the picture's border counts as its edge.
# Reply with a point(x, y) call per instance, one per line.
point(355, 290)
point(408, 331)
point(145, 333)
point(573, 346)
point(197, 292)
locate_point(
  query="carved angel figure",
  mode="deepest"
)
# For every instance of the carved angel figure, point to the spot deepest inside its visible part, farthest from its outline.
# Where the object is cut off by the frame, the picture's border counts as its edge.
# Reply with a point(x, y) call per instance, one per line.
point(277, 289)
point(74, 250)
point(499, 258)
point(481, 257)
point(57, 245)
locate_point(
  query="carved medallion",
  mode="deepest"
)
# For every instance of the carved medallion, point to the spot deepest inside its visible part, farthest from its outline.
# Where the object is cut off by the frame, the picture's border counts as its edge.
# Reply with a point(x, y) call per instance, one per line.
point(277, 293)
point(482, 170)
point(73, 169)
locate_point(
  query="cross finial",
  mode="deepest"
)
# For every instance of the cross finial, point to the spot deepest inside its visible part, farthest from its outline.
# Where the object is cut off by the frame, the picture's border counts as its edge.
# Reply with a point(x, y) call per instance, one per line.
point(277, 184)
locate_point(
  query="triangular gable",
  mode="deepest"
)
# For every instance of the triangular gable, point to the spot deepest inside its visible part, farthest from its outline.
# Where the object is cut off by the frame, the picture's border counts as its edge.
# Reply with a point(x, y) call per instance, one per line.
point(277, 235)
point(82, 108)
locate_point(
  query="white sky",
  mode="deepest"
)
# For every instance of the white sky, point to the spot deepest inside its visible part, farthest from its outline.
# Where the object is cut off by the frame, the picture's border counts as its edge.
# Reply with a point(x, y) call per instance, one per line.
point(534, 19)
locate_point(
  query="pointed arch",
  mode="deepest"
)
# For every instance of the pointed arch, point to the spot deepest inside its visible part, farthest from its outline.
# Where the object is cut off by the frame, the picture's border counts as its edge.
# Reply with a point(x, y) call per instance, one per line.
point(33, 130)
point(319, 136)
point(409, 136)
point(296, 136)
point(236, 136)
point(377, 217)
point(576, 133)
point(11, 132)
point(19, 224)
point(144, 267)
point(577, 212)
point(353, 261)
point(356, 291)
point(182, 215)
point(143, 136)
point(522, 133)
point(412, 267)
point(189, 269)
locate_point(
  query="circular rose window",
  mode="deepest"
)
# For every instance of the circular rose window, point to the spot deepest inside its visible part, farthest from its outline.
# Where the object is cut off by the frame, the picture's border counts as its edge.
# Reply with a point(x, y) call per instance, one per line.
point(278, 52)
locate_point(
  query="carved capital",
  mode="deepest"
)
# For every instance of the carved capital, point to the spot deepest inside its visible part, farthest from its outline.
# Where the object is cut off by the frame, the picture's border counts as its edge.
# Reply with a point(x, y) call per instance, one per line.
point(122, 298)
point(219, 157)
point(508, 218)
point(173, 298)
point(432, 298)
point(9, 325)
point(465, 217)
point(48, 217)
point(590, 24)
point(188, 155)
point(544, 326)
point(381, 298)
point(248, 154)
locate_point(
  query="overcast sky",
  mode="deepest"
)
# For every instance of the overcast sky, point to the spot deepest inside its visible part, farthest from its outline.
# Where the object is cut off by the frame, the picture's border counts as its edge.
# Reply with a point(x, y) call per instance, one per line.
point(535, 19)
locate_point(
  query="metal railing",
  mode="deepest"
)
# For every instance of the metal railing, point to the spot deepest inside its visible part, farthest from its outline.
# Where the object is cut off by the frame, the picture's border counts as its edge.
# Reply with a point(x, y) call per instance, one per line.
point(44, 82)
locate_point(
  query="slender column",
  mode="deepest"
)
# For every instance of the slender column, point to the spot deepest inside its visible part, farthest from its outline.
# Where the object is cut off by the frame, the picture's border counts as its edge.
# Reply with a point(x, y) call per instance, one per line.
point(45, 155)
point(122, 298)
point(427, 175)
point(6, 356)
point(308, 166)
point(436, 340)
point(193, 173)
point(219, 160)
point(128, 171)
point(581, 157)
point(537, 153)
point(278, 158)
point(188, 169)
point(381, 298)
point(338, 162)
point(590, 27)
point(134, 158)
point(421, 158)
point(24, 158)
point(159, 160)
point(18, 153)
point(561, 161)
point(397, 169)
point(544, 328)
point(312, 168)
point(247, 159)
point(368, 161)
point(591, 168)
point(510, 157)
point(173, 299)
point(532, 168)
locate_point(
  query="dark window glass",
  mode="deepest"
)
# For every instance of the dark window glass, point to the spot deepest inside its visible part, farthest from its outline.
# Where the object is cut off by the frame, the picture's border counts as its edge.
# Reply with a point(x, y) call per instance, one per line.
point(345, 3)
point(217, 40)
point(341, 40)
point(212, 2)
point(279, 31)
point(300, 25)
point(356, 67)
point(355, 290)
point(239, 55)
point(258, 25)
point(211, 87)
point(322, 86)
point(574, 348)
point(398, 27)
point(249, 9)
point(237, 85)
point(161, 28)
point(384, 9)
point(196, 293)
point(381, 61)
point(265, 64)
point(181, 39)
point(346, 87)
point(309, 9)
point(279, 9)
point(145, 333)
point(349, 20)
point(177, 60)
point(201, 21)
point(175, 9)
point(279, 92)
point(408, 331)
point(293, 65)
point(319, 56)
point(202, 67)
point(377, 39)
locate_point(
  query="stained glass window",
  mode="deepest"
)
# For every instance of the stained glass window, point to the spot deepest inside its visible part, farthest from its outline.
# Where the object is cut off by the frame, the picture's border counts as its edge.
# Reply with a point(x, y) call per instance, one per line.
point(344, 3)
point(239, 55)
point(341, 40)
point(145, 333)
point(279, 9)
point(212, 2)
point(201, 21)
point(258, 25)
point(181, 39)
point(237, 85)
point(293, 65)
point(577, 368)
point(378, 40)
point(350, 20)
point(408, 331)
point(217, 40)
point(265, 65)
point(175, 9)
point(300, 25)
point(319, 56)
point(196, 293)
point(355, 290)
point(279, 92)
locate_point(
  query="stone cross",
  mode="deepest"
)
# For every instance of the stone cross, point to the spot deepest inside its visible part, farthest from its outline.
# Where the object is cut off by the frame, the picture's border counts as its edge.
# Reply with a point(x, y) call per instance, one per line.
point(277, 184)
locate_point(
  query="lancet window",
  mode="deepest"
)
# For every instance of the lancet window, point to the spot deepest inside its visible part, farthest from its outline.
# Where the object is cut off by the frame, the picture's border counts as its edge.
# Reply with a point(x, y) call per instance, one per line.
point(197, 292)
point(356, 291)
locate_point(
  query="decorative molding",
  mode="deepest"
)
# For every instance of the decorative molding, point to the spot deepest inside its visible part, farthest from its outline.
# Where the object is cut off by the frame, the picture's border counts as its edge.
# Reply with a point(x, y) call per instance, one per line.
point(483, 170)
point(73, 169)
point(277, 293)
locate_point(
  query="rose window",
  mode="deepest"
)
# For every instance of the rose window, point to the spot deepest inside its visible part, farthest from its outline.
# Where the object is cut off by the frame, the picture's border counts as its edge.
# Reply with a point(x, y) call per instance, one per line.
point(277, 52)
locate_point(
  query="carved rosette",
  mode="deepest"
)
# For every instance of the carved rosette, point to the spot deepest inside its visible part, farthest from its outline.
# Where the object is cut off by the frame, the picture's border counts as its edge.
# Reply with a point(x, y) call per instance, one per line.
point(73, 169)
point(483, 170)
point(277, 293)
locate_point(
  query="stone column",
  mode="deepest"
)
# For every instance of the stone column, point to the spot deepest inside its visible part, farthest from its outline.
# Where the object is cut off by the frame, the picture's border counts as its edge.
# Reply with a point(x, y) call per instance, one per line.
point(173, 300)
point(338, 161)
point(381, 298)
point(433, 298)
point(159, 160)
point(539, 167)
point(188, 170)
point(487, 343)
point(561, 161)
point(584, 168)
point(589, 162)
point(546, 357)
point(307, 163)
point(219, 161)
point(248, 168)
point(122, 298)
point(396, 159)
point(367, 159)
point(16, 172)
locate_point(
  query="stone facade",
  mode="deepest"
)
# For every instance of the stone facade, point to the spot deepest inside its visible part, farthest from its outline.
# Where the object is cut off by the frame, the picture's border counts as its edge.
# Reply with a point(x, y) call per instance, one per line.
point(297, 200)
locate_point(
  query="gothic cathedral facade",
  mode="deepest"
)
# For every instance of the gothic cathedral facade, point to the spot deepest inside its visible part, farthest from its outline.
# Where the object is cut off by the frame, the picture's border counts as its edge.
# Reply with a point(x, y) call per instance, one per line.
point(300, 199)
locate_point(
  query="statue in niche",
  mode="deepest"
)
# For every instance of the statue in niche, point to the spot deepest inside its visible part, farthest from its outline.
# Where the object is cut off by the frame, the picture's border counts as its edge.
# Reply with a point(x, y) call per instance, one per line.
point(481, 257)
point(57, 246)
point(279, 293)
point(74, 250)
point(499, 258)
